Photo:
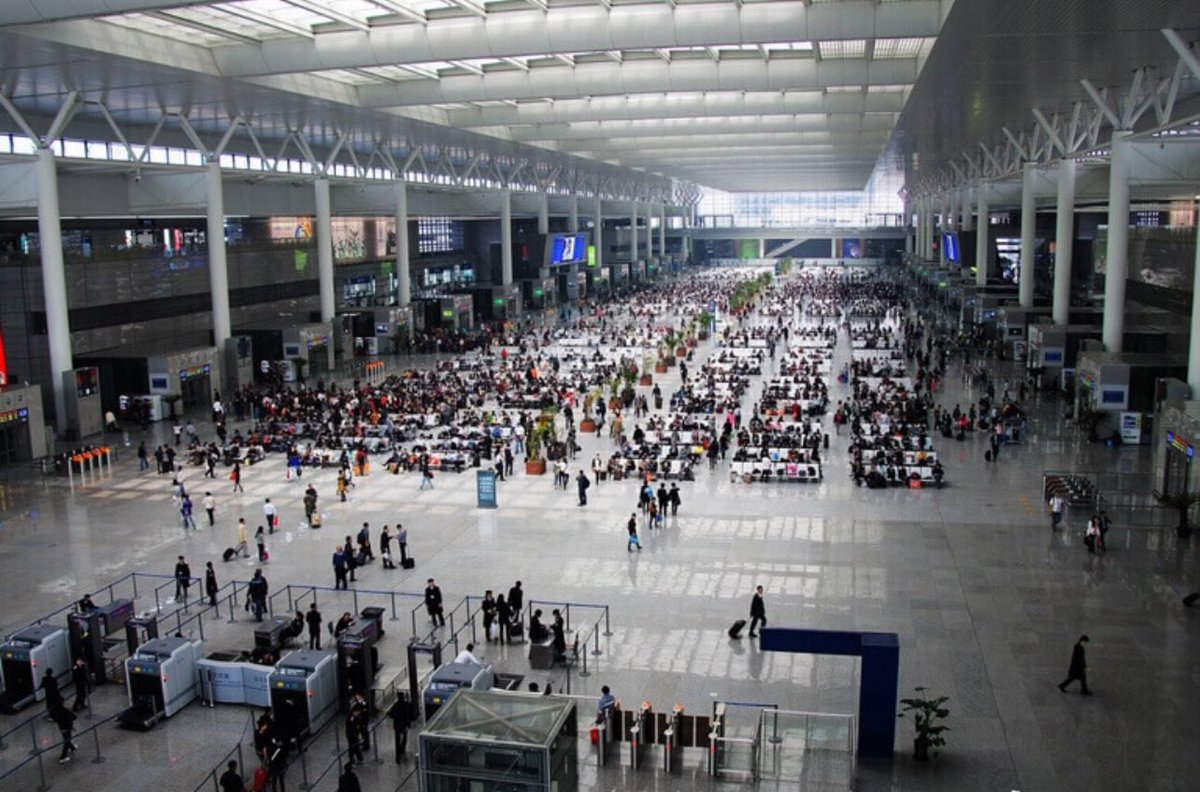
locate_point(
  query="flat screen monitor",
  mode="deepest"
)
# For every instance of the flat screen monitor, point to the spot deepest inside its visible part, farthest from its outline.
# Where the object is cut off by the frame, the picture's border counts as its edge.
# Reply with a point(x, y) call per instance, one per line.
point(950, 245)
point(563, 249)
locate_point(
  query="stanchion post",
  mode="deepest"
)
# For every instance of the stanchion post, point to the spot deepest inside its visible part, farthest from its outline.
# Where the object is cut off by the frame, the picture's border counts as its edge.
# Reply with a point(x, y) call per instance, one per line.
point(33, 736)
point(355, 601)
point(41, 772)
point(157, 604)
point(596, 642)
point(304, 771)
point(337, 742)
point(291, 605)
point(583, 654)
point(394, 616)
point(96, 739)
point(607, 629)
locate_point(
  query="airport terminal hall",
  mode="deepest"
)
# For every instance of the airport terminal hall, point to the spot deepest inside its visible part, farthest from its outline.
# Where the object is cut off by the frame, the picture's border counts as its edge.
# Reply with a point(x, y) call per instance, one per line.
point(599, 395)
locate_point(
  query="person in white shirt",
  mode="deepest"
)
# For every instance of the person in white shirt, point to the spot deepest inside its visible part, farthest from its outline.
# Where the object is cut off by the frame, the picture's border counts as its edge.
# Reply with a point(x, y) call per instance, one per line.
point(210, 506)
point(269, 513)
point(466, 656)
point(1057, 504)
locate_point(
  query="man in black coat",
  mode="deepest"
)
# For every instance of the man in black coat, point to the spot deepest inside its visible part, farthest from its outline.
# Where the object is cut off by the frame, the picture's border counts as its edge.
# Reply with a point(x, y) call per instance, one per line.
point(758, 611)
point(313, 619)
point(1078, 669)
point(79, 675)
point(433, 603)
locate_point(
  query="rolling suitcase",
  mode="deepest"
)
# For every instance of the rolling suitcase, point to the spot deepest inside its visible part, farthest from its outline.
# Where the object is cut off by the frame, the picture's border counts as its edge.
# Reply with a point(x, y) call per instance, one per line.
point(735, 631)
point(408, 563)
point(1191, 599)
point(228, 554)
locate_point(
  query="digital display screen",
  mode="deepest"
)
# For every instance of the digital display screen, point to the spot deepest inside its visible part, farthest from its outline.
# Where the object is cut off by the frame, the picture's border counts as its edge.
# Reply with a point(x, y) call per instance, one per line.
point(87, 381)
point(566, 249)
point(1112, 397)
point(950, 245)
point(1053, 357)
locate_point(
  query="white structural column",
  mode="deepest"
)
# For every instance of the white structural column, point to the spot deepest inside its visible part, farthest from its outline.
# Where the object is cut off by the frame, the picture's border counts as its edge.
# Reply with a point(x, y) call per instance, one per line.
point(403, 266)
point(218, 268)
point(324, 248)
point(943, 226)
point(1193, 375)
point(1064, 241)
point(967, 223)
point(649, 233)
point(1116, 267)
point(662, 232)
point(543, 217)
point(981, 237)
point(506, 274)
point(573, 217)
point(633, 231)
point(598, 231)
point(54, 281)
point(1028, 234)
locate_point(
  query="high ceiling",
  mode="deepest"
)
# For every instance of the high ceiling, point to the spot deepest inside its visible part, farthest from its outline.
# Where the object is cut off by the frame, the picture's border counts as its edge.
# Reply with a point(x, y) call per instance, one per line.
point(739, 95)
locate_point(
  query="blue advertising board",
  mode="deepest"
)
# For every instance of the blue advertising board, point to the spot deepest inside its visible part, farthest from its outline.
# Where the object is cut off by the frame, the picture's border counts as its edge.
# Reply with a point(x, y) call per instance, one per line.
point(485, 489)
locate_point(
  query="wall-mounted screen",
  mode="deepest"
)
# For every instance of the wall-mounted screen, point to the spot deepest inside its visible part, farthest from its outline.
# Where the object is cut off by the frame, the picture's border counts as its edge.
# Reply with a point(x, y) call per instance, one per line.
point(950, 245)
point(566, 249)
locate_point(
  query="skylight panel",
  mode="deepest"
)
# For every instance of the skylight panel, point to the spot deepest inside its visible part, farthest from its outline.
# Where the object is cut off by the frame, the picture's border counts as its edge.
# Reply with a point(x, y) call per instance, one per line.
point(848, 48)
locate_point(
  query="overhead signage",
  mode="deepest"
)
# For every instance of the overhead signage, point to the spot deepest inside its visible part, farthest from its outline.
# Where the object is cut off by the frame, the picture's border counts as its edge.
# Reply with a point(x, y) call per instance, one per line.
point(195, 371)
point(1179, 443)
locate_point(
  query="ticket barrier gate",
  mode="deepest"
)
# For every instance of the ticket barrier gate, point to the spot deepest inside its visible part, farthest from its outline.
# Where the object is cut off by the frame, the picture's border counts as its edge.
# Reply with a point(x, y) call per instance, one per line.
point(641, 733)
point(733, 756)
point(674, 731)
point(605, 734)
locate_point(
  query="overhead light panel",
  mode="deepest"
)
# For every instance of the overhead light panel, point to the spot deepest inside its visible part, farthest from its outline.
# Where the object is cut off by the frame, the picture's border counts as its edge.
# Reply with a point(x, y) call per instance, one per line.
point(845, 48)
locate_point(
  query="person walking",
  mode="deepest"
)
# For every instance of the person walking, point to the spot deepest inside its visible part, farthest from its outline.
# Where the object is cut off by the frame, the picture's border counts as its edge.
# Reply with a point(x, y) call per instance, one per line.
point(260, 539)
point(235, 476)
point(142, 456)
point(185, 509)
point(82, 681)
point(488, 608)
point(503, 618)
point(758, 611)
point(257, 593)
point(243, 539)
point(1057, 504)
point(183, 579)
point(516, 599)
point(631, 529)
point(674, 499)
point(339, 568)
point(994, 440)
point(313, 620)
point(210, 583)
point(582, 483)
point(433, 603)
point(231, 780)
point(271, 514)
point(65, 720)
point(1078, 668)
point(210, 507)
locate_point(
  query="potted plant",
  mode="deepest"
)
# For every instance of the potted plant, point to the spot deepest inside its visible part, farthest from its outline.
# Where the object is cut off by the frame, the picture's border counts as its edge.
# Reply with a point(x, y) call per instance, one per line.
point(588, 424)
point(647, 362)
point(1182, 502)
point(927, 716)
point(1089, 422)
point(627, 392)
point(540, 437)
point(172, 399)
point(706, 320)
point(299, 363)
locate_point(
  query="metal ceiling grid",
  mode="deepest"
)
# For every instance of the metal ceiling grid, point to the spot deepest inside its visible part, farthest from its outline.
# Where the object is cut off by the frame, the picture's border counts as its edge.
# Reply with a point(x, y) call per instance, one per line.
point(422, 69)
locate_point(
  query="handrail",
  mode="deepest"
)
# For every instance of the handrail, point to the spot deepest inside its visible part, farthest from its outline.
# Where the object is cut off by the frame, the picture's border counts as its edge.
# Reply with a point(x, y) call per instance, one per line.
point(341, 753)
point(236, 749)
point(39, 751)
point(31, 719)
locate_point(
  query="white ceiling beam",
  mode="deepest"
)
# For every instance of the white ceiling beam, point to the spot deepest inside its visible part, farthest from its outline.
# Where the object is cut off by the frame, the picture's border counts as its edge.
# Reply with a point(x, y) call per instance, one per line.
point(250, 15)
point(688, 105)
point(470, 5)
point(691, 126)
point(398, 8)
point(330, 12)
point(643, 77)
point(576, 28)
point(202, 27)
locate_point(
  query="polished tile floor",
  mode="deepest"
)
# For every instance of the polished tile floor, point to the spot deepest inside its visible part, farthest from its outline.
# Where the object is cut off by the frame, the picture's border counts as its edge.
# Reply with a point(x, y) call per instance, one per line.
point(986, 600)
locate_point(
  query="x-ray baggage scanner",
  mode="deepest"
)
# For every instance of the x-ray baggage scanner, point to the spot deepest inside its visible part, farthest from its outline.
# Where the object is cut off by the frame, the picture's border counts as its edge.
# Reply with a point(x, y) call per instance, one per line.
point(161, 679)
point(304, 693)
point(25, 658)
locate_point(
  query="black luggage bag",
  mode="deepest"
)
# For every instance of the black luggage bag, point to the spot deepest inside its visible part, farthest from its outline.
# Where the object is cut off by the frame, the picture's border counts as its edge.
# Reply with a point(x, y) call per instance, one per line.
point(735, 631)
point(228, 554)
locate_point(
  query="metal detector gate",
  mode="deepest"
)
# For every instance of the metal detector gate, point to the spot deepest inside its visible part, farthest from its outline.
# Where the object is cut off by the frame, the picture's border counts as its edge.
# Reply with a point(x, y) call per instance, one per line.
point(415, 647)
